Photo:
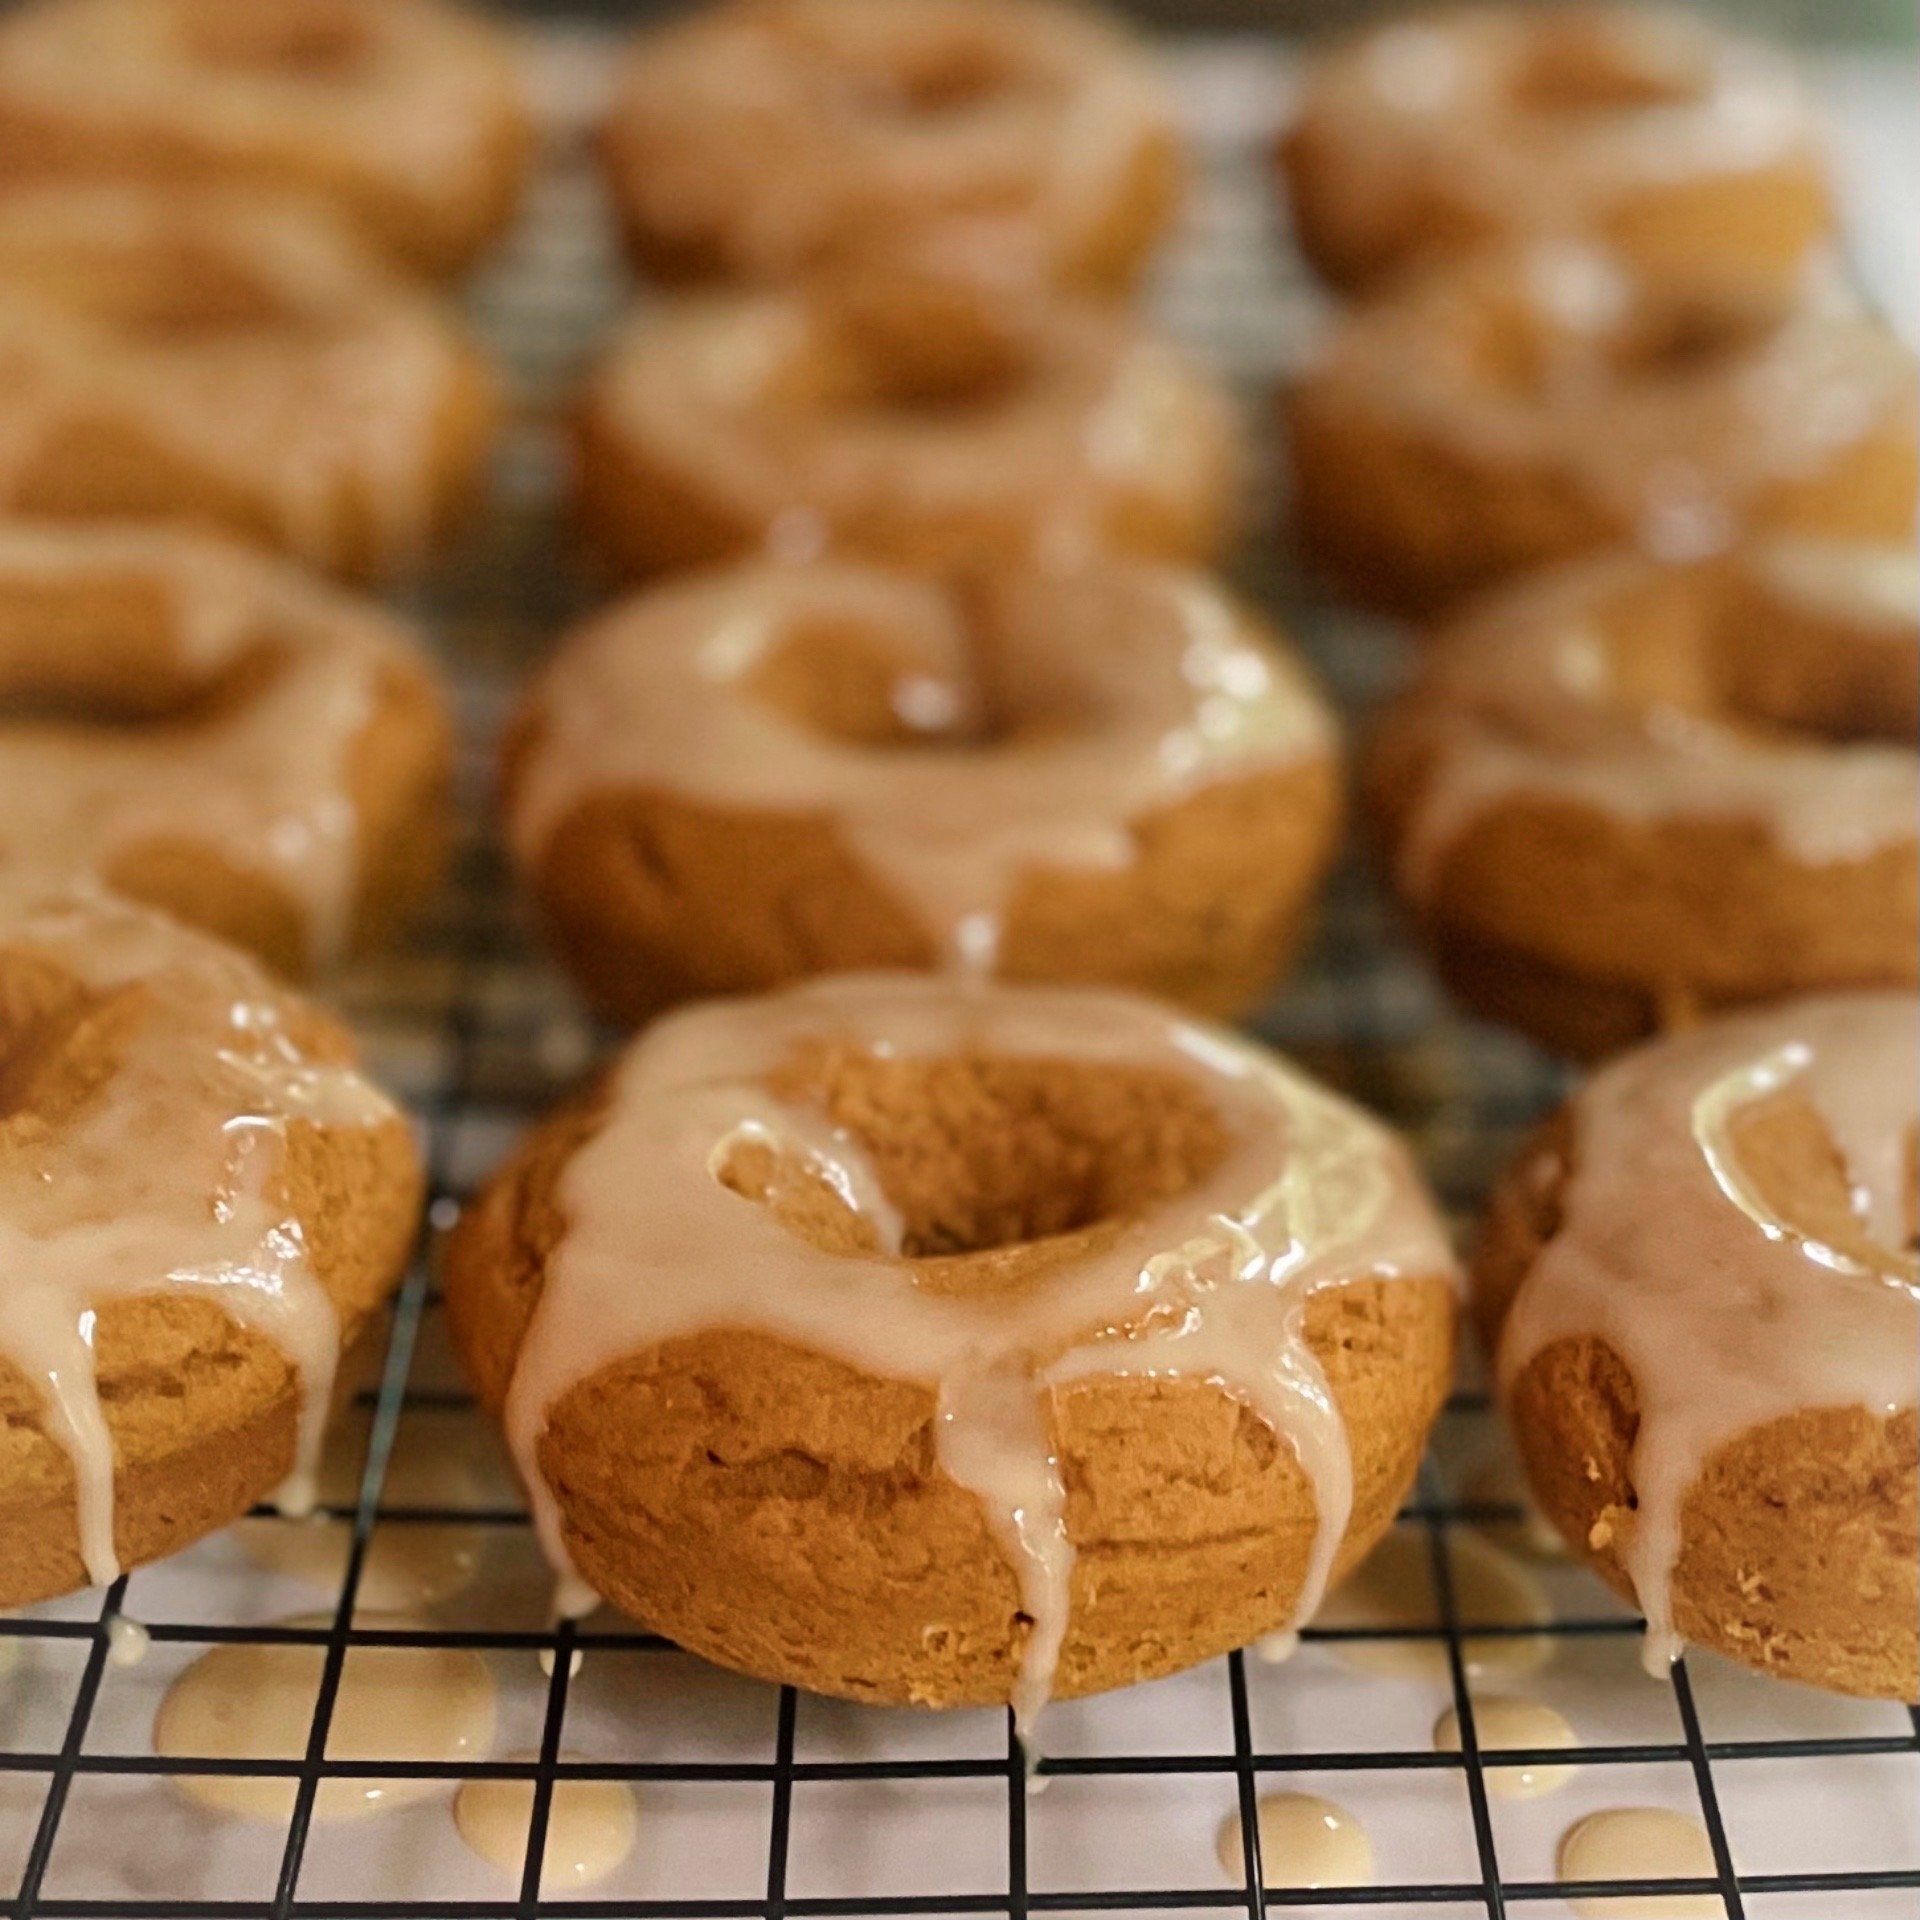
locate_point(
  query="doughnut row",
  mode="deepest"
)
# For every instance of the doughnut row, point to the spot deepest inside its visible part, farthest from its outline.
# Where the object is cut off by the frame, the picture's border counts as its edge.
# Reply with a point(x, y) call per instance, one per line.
point(956, 1314)
point(1604, 416)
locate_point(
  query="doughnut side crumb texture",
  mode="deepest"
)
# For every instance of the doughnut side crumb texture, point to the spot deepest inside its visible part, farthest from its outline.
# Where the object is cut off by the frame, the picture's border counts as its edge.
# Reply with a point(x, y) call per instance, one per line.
point(1800, 1550)
point(781, 1512)
point(202, 1412)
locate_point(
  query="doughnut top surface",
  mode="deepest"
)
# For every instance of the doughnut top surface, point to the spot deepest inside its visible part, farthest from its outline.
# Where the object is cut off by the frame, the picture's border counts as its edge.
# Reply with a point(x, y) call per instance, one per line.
point(1738, 1225)
point(1177, 1239)
point(149, 1078)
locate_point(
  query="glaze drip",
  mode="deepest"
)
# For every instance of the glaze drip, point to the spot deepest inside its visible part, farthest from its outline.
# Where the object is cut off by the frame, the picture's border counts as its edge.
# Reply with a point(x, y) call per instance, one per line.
point(1728, 1311)
point(1123, 688)
point(1211, 1284)
point(164, 1179)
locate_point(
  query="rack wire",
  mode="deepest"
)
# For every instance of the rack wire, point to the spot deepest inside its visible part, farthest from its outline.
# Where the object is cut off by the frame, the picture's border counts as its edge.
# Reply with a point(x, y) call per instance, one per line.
point(763, 1803)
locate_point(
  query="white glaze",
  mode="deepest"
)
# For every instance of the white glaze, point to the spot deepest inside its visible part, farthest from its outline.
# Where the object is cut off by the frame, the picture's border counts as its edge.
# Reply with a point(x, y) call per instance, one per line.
point(414, 112)
point(1727, 1314)
point(590, 1827)
point(1513, 1722)
point(1640, 1843)
point(1447, 102)
point(162, 1183)
point(1212, 1284)
point(255, 1701)
point(1305, 1841)
point(321, 409)
point(267, 783)
point(768, 406)
point(781, 133)
point(1532, 697)
point(1126, 689)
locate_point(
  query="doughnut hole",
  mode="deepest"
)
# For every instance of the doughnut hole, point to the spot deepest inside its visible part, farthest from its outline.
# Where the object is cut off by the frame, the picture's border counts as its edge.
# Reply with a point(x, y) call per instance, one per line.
point(984, 1155)
point(777, 1510)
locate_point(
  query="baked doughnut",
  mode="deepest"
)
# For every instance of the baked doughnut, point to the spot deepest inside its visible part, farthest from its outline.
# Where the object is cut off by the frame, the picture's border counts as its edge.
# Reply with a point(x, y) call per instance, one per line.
point(1514, 410)
point(220, 357)
point(915, 416)
point(201, 1203)
point(1691, 155)
point(757, 138)
point(1110, 774)
point(1068, 1342)
point(404, 116)
point(1701, 1282)
point(1623, 793)
point(207, 730)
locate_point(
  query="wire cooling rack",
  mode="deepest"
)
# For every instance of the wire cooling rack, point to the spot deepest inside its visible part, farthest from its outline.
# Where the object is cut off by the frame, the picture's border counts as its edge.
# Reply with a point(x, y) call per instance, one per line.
point(757, 1801)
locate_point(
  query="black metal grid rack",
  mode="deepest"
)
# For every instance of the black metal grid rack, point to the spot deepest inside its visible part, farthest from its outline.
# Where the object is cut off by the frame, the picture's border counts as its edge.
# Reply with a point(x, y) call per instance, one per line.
point(1809, 1804)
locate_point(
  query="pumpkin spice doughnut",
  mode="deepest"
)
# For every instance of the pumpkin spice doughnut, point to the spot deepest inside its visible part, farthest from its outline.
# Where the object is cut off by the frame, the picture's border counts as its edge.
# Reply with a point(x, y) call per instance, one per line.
point(913, 415)
point(216, 734)
point(202, 1202)
point(1109, 774)
point(758, 138)
point(1691, 155)
point(239, 361)
point(1515, 410)
point(1622, 794)
point(1700, 1281)
point(405, 117)
point(931, 1341)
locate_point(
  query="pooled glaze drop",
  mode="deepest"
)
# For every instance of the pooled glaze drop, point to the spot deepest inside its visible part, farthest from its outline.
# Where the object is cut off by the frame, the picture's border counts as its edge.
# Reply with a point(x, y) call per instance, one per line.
point(1514, 1723)
point(1393, 1591)
point(1210, 1284)
point(128, 1641)
point(1123, 689)
point(255, 1701)
point(1640, 1843)
point(162, 1182)
point(590, 1827)
point(1304, 1842)
point(265, 779)
point(1727, 1313)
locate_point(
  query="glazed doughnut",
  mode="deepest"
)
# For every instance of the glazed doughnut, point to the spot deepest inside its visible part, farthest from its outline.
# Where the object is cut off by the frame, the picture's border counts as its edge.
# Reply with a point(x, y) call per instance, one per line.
point(1701, 1281)
point(224, 358)
point(1691, 155)
point(1513, 411)
point(404, 116)
point(202, 1203)
point(1624, 793)
point(211, 732)
point(1111, 774)
point(941, 1342)
point(917, 418)
point(758, 138)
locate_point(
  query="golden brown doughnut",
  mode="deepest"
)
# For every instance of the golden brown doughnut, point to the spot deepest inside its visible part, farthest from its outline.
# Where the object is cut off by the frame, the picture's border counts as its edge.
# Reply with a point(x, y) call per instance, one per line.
point(403, 116)
point(915, 416)
point(201, 1203)
point(1621, 794)
point(1692, 155)
point(948, 1343)
point(214, 356)
point(1518, 409)
point(1108, 775)
point(757, 138)
point(216, 734)
point(1700, 1281)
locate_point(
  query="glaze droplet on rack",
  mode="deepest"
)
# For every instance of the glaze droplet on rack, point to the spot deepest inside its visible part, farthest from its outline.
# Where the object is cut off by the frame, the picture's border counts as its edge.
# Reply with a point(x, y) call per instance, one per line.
point(1210, 1284)
point(164, 1180)
point(1672, 1250)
